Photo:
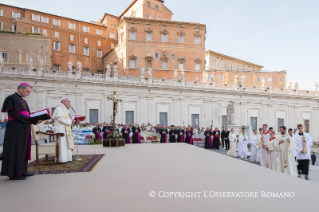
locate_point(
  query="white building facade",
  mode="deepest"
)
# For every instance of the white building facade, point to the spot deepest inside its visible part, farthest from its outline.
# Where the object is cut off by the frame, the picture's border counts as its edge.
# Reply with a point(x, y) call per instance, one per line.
point(165, 102)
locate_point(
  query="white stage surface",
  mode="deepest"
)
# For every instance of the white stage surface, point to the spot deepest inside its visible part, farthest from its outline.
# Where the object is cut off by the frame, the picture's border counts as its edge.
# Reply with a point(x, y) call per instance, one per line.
point(124, 178)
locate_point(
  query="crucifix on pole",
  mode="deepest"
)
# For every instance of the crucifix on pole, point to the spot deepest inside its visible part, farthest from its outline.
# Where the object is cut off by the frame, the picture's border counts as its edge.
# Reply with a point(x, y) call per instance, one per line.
point(115, 103)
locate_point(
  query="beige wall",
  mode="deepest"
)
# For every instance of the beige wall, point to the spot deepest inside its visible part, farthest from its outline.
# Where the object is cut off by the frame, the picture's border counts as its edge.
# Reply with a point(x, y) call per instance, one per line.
point(20, 47)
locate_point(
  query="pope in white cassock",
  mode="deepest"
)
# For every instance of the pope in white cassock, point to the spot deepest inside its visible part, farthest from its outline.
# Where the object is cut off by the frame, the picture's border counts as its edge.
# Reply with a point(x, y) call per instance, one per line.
point(255, 138)
point(233, 143)
point(270, 147)
point(262, 152)
point(242, 145)
point(62, 124)
point(286, 153)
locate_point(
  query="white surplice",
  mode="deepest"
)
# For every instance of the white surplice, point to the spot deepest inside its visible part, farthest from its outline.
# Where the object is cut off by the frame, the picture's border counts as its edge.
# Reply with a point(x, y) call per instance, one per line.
point(61, 121)
point(271, 153)
point(299, 146)
point(232, 143)
point(262, 153)
point(254, 157)
point(242, 146)
point(286, 152)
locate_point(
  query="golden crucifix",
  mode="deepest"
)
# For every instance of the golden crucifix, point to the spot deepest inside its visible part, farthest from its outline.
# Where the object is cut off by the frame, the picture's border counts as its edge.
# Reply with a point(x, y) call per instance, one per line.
point(115, 102)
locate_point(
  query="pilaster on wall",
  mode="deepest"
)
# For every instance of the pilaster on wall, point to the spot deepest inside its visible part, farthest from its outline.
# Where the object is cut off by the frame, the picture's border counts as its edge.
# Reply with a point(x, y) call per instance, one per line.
point(183, 112)
point(40, 100)
point(2, 115)
point(271, 116)
point(297, 117)
point(291, 116)
point(243, 113)
point(150, 110)
point(176, 112)
point(207, 113)
point(143, 110)
point(215, 114)
point(314, 126)
point(265, 114)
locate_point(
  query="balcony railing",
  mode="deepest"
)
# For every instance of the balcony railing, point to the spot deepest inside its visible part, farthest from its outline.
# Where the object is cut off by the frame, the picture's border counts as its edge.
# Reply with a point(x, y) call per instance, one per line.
point(50, 74)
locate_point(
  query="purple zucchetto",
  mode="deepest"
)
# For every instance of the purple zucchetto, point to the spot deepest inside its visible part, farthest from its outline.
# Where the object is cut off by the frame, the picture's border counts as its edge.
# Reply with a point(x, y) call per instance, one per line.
point(24, 84)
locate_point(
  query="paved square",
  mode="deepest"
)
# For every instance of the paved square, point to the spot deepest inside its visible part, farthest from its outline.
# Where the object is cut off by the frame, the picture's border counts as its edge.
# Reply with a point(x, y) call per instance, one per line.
point(124, 178)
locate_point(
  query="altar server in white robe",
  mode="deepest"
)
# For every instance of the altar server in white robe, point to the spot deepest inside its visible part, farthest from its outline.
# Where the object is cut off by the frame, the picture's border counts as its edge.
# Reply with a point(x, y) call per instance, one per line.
point(270, 147)
point(262, 152)
point(242, 145)
point(303, 144)
point(62, 124)
point(232, 143)
point(255, 138)
point(286, 153)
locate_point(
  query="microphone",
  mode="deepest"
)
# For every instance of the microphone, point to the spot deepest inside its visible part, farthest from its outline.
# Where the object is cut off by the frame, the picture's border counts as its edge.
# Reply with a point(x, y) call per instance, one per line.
point(73, 109)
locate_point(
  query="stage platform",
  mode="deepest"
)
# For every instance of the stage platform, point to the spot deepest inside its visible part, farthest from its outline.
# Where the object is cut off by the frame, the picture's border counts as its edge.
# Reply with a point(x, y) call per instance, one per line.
point(123, 179)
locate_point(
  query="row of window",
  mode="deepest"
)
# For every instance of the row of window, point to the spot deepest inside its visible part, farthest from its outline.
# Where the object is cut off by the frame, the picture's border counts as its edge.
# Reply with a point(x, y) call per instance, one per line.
point(227, 66)
point(164, 37)
point(86, 50)
point(23, 56)
point(55, 22)
point(13, 27)
point(221, 79)
point(280, 79)
point(164, 65)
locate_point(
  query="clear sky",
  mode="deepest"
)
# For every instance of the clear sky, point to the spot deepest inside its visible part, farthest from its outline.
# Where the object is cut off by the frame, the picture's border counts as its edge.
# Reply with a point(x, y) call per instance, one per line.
point(278, 34)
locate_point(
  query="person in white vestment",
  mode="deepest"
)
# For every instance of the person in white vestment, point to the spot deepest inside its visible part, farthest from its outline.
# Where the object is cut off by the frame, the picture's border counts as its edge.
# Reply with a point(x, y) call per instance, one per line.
point(270, 147)
point(232, 143)
point(303, 144)
point(286, 153)
point(254, 140)
point(262, 152)
point(62, 124)
point(242, 145)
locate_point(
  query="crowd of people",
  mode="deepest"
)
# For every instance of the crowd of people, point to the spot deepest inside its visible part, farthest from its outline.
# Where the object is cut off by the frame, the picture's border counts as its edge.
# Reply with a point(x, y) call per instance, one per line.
point(280, 152)
point(3, 123)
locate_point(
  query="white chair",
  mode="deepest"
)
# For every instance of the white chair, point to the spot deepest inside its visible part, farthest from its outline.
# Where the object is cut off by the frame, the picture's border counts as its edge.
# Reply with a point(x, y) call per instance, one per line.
point(51, 147)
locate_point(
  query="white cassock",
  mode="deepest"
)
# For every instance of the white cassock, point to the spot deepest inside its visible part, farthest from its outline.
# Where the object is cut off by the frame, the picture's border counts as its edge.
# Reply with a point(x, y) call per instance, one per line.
point(262, 153)
point(286, 155)
point(63, 124)
point(254, 157)
point(232, 143)
point(271, 153)
point(242, 146)
point(299, 146)
point(303, 158)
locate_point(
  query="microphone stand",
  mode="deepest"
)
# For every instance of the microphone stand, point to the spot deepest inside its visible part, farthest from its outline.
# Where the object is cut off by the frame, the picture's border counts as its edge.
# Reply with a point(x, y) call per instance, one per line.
point(77, 138)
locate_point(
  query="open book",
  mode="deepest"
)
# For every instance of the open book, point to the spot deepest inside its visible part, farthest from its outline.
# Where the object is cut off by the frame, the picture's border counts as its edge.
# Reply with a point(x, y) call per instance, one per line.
point(78, 118)
point(40, 115)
